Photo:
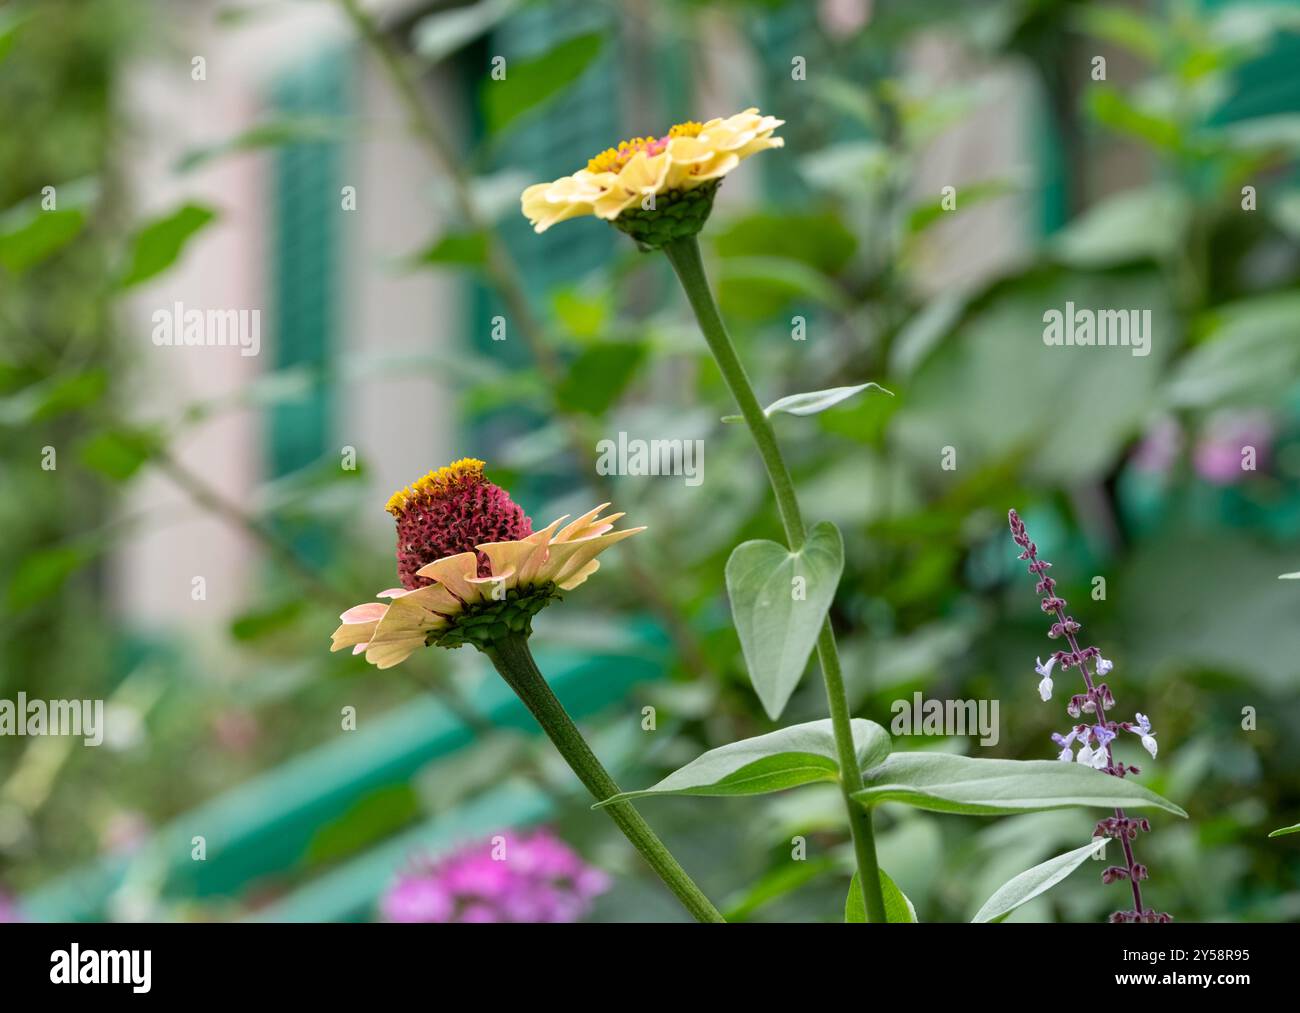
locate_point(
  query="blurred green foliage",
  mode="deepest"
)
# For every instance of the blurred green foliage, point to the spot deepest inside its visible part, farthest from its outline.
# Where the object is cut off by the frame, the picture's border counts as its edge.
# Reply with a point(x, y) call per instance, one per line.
point(1101, 452)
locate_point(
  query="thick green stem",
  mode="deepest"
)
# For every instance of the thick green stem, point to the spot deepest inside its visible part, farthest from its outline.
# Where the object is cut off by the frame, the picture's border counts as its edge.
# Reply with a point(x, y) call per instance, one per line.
point(684, 255)
point(514, 661)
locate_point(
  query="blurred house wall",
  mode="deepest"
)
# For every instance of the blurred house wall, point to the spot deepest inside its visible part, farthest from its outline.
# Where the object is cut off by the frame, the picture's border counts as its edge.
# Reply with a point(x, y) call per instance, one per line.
point(400, 424)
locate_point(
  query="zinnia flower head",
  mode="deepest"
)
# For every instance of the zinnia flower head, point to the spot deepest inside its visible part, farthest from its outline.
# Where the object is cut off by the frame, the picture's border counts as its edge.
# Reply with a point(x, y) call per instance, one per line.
point(537, 878)
point(656, 189)
point(472, 568)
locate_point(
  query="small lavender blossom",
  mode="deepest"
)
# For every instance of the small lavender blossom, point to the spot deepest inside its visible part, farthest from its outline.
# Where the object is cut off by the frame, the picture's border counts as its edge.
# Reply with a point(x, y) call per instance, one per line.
point(1103, 666)
point(540, 879)
point(1101, 756)
point(1066, 742)
point(1045, 687)
point(1089, 757)
point(1148, 736)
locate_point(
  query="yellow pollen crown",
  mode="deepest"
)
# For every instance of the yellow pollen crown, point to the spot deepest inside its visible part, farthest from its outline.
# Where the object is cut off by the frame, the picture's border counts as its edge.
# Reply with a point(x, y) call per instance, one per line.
point(613, 159)
point(454, 474)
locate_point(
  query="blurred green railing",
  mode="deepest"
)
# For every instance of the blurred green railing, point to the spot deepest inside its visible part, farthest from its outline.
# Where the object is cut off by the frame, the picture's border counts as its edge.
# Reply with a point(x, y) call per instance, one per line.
point(264, 829)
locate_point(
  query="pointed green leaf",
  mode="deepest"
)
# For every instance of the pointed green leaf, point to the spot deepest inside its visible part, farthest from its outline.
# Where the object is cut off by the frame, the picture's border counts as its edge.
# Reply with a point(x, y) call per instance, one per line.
point(945, 783)
point(778, 760)
point(1042, 877)
point(814, 401)
point(1283, 831)
point(897, 907)
point(444, 32)
point(455, 249)
point(159, 243)
point(28, 238)
point(778, 601)
point(529, 83)
point(272, 133)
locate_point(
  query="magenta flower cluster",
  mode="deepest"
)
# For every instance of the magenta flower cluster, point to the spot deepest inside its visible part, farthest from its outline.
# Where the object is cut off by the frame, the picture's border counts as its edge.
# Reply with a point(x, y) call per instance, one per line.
point(1096, 731)
point(532, 878)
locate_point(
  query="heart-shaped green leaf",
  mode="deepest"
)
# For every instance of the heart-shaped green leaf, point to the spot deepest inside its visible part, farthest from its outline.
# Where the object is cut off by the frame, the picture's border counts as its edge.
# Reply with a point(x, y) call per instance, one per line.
point(945, 783)
point(782, 759)
point(811, 402)
point(1283, 831)
point(897, 907)
point(1042, 877)
point(779, 599)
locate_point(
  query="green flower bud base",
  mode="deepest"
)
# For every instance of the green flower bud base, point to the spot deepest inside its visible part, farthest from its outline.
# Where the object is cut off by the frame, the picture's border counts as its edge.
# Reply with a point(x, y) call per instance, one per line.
point(487, 622)
point(677, 214)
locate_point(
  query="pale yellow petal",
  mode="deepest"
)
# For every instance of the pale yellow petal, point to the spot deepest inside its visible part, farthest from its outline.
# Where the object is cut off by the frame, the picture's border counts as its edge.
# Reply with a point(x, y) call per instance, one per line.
point(719, 167)
point(569, 583)
point(351, 634)
point(643, 175)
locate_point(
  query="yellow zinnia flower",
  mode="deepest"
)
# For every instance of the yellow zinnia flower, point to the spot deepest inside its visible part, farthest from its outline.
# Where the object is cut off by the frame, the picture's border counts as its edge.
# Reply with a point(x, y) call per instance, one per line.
point(655, 188)
point(472, 569)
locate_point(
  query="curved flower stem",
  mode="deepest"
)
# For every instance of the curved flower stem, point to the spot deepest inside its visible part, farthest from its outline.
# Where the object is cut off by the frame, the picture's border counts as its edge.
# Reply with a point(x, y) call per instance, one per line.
point(684, 255)
point(514, 661)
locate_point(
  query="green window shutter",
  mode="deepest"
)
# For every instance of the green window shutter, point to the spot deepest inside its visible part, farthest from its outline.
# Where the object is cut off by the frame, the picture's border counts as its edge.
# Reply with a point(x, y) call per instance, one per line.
point(305, 256)
point(559, 139)
point(552, 141)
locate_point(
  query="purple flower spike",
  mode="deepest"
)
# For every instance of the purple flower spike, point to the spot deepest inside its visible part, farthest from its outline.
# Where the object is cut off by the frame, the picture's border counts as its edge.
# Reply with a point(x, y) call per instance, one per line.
point(1095, 738)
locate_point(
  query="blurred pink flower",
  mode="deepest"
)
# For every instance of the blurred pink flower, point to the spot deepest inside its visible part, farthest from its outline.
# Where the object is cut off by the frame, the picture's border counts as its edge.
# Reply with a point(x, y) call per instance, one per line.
point(9, 913)
point(1160, 446)
point(537, 878)
point(125, 833)
point(236, 731)
point(843, 18)
point(1218, 456)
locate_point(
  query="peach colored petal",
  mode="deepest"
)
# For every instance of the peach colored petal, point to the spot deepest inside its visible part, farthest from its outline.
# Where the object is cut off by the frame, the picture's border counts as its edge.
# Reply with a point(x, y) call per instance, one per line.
point(435, 598)
point(530, 567)
point(371, 611)
point(567, 533)
point(393, 652)
point(508, 558)
point(451, 571)
point(568, 558)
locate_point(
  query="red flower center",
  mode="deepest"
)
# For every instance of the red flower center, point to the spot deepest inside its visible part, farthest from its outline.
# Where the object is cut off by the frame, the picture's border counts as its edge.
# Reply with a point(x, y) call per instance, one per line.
point(452, 510)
